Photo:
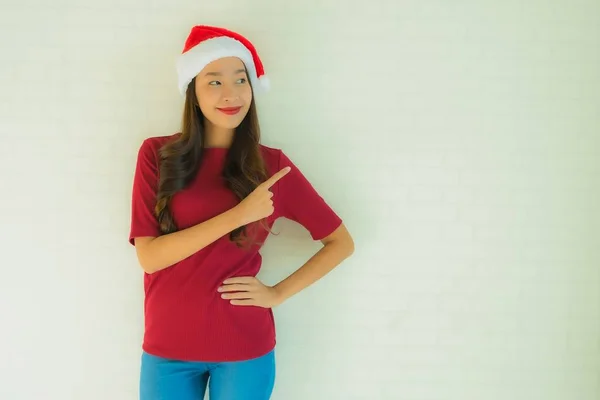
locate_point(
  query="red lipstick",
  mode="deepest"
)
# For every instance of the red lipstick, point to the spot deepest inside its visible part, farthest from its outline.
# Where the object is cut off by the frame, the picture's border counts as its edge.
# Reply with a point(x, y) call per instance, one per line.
point(230, 110)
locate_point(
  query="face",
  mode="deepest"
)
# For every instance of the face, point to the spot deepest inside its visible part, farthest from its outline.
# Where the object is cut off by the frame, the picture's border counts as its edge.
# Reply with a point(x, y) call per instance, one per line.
point(224, 84)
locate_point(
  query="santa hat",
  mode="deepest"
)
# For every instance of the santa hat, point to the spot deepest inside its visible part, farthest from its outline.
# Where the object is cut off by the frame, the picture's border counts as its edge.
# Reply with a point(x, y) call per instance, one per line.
point(209, 43)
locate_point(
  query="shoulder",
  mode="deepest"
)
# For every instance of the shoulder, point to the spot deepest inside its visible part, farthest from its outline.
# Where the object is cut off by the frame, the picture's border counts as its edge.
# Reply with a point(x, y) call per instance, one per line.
point(148, 150)
point(271, 156)
point(158, 141)
point(269, 151)
point(277, 158)
point(273, 152)
point(150, 146)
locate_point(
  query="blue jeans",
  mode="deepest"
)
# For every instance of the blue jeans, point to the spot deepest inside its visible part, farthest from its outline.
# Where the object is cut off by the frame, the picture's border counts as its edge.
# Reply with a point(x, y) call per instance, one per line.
point(166, 379)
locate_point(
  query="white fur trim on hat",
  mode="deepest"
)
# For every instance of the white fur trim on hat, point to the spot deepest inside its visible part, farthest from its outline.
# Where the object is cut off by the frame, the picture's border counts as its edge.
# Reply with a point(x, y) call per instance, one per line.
point(190, 63)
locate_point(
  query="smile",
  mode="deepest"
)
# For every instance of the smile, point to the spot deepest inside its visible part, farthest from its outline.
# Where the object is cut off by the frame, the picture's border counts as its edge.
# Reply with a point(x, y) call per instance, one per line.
point(230, 110)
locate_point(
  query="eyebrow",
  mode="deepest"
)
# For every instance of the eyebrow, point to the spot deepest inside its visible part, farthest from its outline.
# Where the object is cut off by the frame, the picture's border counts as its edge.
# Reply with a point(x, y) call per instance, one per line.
point(219, 74)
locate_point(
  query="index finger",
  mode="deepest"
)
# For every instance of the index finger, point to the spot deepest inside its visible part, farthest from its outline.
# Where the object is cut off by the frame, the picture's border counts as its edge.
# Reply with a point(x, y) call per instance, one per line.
point(276, 176)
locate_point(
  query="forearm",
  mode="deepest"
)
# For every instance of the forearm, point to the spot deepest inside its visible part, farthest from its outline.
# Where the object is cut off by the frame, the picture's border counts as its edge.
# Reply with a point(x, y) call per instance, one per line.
point(325, 260)
point(166, 250)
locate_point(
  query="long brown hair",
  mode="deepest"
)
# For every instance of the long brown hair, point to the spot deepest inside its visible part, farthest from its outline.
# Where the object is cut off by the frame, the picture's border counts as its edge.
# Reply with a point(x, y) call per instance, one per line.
point(180, 159)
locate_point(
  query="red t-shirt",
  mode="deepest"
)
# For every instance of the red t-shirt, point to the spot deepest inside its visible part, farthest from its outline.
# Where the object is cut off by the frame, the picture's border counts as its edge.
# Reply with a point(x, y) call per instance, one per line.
point(185, 316)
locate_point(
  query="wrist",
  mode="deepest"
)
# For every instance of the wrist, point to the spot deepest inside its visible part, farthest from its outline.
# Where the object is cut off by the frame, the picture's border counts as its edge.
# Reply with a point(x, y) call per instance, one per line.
point(280, 295)
point(236, 217)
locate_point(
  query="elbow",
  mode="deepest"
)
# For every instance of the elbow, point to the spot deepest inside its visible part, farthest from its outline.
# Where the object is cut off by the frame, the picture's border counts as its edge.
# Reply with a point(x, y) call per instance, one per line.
point(146, 266)
point(347, 243)
point(342, 239)
point(143, 250)
point(144, 261)
point(148, 269)
point(349, 247)
point(344, 246)
point(149, 263)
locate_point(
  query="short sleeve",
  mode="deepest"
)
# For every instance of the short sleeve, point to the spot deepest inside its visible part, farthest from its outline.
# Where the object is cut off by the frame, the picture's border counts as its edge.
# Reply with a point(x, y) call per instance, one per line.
point(143, 199)
point(299, 201)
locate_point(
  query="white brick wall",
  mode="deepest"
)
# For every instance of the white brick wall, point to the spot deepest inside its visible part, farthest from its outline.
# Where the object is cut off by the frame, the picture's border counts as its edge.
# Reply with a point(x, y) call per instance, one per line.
point(458, 140)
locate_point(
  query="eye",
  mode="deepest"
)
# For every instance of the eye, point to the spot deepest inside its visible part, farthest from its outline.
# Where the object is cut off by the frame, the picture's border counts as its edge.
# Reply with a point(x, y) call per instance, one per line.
point(241, 79)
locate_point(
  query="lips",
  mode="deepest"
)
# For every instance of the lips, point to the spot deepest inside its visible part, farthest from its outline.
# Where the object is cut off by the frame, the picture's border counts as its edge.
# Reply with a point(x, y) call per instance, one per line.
point(230, 110)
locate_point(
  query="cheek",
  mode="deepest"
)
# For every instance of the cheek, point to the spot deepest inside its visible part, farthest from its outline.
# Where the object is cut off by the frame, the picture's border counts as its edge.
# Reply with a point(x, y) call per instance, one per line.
point(247, 94)
point(207, 101)
point(206, 110)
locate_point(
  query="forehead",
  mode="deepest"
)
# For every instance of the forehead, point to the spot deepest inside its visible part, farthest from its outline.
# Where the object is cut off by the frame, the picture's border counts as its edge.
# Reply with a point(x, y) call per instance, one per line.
point(223, 66)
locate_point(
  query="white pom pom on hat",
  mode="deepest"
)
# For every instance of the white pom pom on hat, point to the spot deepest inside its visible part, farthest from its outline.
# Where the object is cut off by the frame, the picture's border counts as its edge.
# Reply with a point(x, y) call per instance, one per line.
point(206, 44)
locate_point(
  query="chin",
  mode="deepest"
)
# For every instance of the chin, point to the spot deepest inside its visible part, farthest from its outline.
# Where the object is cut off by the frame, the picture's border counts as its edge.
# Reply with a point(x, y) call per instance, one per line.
point(231, 122)
point(231, 126)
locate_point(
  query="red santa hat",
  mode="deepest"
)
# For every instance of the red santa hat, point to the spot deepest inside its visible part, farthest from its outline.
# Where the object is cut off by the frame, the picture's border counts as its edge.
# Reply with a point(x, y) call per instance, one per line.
point(206, 44)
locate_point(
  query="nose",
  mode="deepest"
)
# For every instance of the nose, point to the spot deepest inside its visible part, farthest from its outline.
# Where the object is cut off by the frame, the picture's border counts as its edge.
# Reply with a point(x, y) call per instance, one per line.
point(230, 93)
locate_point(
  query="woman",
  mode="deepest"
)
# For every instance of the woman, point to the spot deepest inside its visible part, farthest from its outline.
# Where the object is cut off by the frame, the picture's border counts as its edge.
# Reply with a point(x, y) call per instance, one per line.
point(204, 201)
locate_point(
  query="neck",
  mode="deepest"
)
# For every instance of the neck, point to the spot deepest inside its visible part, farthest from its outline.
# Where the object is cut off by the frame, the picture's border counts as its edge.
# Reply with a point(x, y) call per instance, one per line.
point(216, 136)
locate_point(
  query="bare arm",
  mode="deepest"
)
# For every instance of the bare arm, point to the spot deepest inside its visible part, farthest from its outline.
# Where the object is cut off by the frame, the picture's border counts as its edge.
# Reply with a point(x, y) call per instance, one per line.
point(157, 253)
point(338, 246)
point(250, 291)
